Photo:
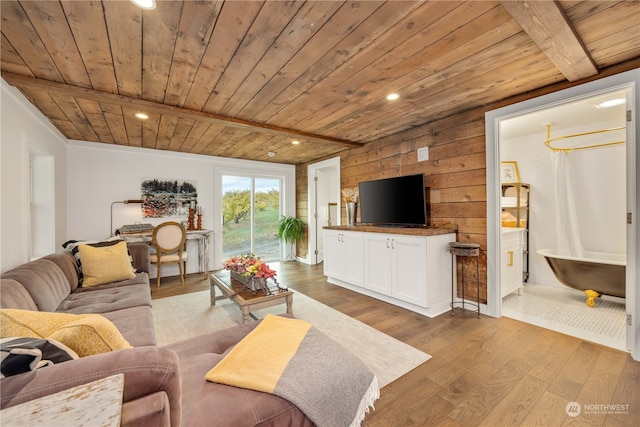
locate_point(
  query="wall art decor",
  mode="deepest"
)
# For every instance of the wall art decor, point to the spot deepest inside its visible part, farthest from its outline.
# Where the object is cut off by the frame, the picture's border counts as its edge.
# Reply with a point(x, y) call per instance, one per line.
point(168, 198)
point(509, 172)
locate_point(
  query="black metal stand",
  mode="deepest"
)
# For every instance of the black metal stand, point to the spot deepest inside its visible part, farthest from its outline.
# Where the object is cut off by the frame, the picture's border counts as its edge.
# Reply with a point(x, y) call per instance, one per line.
point(464, 250)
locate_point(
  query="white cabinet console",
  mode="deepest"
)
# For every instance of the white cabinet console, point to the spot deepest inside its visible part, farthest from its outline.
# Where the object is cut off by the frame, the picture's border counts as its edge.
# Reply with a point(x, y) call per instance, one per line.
point(410, 268)
point(511, 256)
point(343, 256)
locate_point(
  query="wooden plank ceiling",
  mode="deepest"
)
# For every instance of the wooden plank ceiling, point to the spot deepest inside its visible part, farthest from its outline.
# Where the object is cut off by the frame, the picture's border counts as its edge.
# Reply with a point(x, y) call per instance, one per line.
point(244, 78)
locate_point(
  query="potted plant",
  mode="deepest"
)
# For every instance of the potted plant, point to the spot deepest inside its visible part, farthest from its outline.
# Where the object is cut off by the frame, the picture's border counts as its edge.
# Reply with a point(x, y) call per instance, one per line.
point(290, 230)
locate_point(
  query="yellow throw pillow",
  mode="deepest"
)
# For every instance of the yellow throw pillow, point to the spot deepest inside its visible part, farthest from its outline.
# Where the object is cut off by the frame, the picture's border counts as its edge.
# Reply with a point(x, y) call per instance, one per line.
point(86, 334)
point(105, 264)
point(90, 334)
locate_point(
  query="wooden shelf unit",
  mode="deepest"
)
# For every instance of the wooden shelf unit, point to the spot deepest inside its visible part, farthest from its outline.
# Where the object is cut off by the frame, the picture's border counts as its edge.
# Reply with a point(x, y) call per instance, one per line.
point(521, 192)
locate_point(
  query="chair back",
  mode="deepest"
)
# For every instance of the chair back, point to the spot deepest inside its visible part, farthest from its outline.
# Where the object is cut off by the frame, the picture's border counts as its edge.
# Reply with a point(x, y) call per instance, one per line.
point(169, 237)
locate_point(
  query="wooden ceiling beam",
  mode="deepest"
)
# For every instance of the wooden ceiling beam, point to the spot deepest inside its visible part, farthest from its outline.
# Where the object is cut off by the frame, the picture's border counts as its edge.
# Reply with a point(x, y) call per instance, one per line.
point(548, 26)
point(149, 107)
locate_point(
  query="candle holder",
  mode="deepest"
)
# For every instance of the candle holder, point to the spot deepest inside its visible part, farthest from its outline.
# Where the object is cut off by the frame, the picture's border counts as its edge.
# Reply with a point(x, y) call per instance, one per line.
point(191, 219)
point(199, 227)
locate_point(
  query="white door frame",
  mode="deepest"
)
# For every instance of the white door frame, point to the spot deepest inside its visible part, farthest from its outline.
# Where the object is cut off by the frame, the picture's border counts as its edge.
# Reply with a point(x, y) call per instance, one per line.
point(331, 168)
point(628, 81)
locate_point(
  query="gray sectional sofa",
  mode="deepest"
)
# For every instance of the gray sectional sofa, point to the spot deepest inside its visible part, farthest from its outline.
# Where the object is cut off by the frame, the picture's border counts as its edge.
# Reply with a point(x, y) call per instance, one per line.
point(163, 386)
point(51, 284)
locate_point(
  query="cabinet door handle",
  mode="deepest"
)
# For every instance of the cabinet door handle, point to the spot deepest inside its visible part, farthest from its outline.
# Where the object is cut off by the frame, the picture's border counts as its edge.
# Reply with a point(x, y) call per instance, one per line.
point(393, 246)
point(510, 264)
point(387, 243)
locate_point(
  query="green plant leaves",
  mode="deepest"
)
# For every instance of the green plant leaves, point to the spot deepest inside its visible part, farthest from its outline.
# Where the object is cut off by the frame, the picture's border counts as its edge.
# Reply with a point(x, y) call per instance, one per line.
point(290, 229)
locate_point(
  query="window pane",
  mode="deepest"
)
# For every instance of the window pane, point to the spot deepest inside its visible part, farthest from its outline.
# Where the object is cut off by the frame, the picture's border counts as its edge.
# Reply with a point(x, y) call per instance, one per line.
point(236, 216)
point(267, 215)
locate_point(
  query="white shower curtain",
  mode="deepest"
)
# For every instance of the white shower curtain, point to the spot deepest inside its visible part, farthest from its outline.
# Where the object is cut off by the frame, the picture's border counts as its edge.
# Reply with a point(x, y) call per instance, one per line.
point(567, 235)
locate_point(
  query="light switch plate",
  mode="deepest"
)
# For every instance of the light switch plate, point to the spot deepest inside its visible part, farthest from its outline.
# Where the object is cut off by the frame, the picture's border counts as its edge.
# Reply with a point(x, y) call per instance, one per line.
point(423, 154)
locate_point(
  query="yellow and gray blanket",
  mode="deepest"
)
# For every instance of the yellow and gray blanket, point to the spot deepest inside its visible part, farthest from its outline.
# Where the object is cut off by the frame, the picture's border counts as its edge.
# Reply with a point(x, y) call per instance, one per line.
point(292, 359)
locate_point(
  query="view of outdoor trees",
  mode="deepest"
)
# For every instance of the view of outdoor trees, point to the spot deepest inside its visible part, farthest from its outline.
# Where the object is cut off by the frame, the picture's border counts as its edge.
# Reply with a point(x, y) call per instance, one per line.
point(237, 217)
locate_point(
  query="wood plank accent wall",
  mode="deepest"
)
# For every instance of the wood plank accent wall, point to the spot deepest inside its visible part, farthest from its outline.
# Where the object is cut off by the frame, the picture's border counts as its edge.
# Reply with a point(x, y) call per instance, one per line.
point(455, 174)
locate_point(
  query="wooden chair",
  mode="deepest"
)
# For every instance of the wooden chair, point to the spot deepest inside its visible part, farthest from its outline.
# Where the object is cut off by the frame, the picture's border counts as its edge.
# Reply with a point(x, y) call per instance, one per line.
point(169, 240)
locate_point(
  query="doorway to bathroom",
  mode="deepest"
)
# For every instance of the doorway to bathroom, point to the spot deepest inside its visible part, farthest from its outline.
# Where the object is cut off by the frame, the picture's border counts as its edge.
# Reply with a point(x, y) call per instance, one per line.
point(585, 183)
point(576, 204)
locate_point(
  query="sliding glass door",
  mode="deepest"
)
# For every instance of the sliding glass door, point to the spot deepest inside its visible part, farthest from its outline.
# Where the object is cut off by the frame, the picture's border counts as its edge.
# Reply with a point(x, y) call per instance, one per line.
point(250, 215)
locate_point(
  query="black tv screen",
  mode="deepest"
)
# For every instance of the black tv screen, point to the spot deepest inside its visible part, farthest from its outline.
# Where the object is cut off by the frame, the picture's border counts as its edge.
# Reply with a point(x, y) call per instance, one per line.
point(394, 201)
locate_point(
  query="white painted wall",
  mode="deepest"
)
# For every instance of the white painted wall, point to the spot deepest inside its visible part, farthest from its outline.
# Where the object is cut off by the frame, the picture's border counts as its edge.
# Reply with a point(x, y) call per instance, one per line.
point(600, 192)
point(90, 176)
point(25, 129)
point(100, 174)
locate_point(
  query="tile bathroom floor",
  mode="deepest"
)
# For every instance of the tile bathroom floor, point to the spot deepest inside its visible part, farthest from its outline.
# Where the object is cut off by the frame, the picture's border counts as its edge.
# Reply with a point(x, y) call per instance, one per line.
point(564, 310)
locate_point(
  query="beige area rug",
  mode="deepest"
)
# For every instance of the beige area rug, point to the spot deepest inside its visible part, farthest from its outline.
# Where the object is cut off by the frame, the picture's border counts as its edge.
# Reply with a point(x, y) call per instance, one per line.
point(188, 315)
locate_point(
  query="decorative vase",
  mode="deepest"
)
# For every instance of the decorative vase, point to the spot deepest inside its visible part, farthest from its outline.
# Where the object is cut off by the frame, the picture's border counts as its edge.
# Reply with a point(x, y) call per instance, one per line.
point(351, 213)
point(260, 284)
point(251, 282)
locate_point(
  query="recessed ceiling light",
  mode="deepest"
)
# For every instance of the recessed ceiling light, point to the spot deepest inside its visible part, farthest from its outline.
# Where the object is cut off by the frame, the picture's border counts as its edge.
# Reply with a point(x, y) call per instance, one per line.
point(142, 116)
point(145, 4)
point(271, 154)
point(392, 97)
point(611, 103)
point(295, 142)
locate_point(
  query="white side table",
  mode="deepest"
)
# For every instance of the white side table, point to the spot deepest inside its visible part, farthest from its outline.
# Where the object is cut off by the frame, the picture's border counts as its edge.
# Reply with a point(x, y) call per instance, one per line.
point(95, 404)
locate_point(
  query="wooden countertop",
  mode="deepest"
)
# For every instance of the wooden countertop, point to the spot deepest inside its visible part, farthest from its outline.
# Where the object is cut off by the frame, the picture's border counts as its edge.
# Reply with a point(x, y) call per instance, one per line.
point(413, 231)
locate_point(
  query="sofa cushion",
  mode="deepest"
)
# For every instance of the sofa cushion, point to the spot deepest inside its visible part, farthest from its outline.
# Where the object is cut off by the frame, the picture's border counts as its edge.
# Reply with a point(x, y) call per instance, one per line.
point(135, 324)
point(86, 334)
point(105, 264)
point(67, 263)
point(139, 252)
point(139, 279)
point(44, 281)
point(107, 299)
point(231, 405)
point(14, 295)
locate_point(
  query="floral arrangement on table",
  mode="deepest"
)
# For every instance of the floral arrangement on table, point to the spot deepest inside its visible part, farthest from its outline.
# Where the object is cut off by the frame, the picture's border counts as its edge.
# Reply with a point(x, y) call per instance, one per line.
point(252, 272)
point(249, 265)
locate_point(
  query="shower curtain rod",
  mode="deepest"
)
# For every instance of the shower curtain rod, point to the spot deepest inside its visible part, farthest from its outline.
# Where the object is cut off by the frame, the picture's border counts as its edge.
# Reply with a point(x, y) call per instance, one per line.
point(566, 150)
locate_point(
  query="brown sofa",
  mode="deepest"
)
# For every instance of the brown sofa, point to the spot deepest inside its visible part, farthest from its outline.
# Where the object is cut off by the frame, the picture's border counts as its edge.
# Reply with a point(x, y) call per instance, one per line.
point(162, 386)
point(51, 284)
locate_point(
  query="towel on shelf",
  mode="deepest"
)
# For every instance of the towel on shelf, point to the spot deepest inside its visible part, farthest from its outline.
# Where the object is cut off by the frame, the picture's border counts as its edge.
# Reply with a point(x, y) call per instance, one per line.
point(512, 202)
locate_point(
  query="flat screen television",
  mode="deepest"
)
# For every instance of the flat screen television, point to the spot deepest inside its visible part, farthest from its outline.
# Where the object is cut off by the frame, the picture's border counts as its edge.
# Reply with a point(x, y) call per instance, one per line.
point(398, 201)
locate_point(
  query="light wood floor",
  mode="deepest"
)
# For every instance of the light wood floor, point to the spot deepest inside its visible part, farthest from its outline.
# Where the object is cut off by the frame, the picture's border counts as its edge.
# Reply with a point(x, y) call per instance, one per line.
point(493, 372)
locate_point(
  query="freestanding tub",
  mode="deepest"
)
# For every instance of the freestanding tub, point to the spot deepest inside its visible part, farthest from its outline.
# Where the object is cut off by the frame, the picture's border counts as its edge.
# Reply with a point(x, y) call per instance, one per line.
point(597, 273)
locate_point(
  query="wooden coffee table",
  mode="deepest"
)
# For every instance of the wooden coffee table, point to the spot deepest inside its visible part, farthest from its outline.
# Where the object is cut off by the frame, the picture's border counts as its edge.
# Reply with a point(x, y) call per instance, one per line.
point(245, 298)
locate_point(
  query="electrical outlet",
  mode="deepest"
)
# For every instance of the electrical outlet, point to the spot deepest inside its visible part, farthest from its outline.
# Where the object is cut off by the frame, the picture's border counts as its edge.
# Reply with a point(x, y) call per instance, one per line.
point(423, 154)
